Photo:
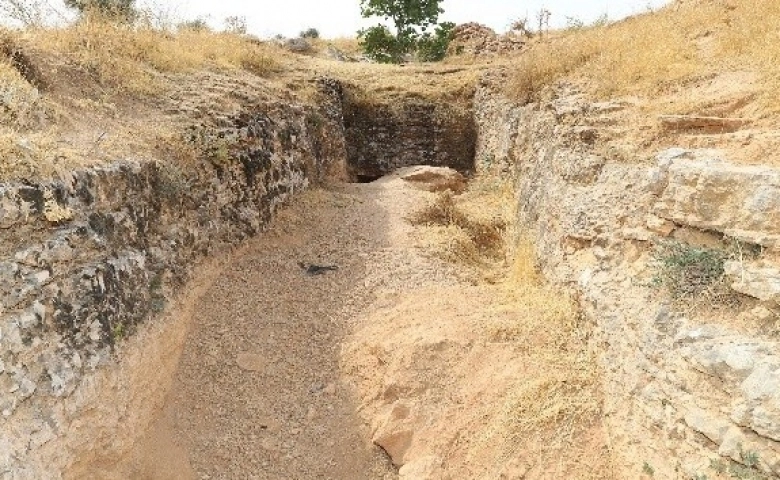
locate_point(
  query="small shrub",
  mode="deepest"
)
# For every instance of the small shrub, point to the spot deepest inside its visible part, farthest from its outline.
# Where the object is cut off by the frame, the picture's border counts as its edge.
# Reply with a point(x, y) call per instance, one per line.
point(648, 470)
point(196, 25)
point(310, 33)
point(687, 271)
point(480, 237)
point(236, 25)
point(123, 10)
point(380, 45)
point(574, 23)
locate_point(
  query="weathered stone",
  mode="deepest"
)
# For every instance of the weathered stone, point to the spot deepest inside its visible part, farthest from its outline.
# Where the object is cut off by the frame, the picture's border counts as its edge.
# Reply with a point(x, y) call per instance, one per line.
point(127, 236)
point(660, 226)
point(434, 179)
point(394, 434)
point(740, 201)
point(666, 380)
point(425, 468)
point(475, 39)
point(298, 45)
point(725, 360)
point(334, 53)
point(385, 136)
point(581, 170)
point(708, 425)
point(759, 280)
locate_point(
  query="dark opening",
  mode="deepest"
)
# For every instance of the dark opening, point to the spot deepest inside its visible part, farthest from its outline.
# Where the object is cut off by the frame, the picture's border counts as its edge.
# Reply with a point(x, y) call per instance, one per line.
point(367, 178)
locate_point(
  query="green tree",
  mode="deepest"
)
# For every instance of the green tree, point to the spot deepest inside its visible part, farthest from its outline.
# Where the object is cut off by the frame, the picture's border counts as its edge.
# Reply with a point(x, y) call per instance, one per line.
point(411, 18)
point(433, 48)
point(119, 9)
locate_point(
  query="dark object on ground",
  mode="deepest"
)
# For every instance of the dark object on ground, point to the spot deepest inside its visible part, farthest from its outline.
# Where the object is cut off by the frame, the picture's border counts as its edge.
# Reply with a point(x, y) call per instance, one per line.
point(312, 269)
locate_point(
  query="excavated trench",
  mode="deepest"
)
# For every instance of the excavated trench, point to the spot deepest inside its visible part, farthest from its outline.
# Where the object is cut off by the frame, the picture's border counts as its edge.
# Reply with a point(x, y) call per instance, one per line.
point(128, 363)
point(155, 322)
point(259, 389)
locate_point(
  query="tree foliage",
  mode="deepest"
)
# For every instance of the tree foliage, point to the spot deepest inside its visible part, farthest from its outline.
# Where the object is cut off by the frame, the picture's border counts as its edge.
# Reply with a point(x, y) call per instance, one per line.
point(433, 48)
point(412, 19)
point(405, 14)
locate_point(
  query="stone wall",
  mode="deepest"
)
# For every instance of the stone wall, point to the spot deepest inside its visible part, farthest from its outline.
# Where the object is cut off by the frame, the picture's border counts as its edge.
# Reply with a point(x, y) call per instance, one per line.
point(90, 259)
point(385, 135)
point(683, 387)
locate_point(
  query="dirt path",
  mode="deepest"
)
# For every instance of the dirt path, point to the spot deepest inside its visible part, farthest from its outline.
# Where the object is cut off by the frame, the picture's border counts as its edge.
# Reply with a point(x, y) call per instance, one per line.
point(288, 375)
point(258, 393)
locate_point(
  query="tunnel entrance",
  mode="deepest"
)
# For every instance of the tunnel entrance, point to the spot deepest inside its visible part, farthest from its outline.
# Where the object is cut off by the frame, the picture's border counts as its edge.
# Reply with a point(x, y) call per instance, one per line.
point(367, 178)
point(384, 134)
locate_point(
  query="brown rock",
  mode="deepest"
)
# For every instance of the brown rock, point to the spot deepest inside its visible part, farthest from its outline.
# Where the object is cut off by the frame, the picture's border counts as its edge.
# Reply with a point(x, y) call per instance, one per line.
point(435, 179)
point(394, 435)
point(710, 124)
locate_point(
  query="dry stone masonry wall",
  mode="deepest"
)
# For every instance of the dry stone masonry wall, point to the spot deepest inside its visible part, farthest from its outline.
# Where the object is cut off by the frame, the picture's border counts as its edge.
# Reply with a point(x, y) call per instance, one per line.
point(91, 257)
point(385, 135)
point(683, 390)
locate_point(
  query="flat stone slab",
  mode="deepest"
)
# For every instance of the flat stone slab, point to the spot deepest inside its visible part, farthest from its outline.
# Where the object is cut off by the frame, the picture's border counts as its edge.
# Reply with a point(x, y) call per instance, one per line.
point(434, 179)
point(701, 123)
point(742, 202)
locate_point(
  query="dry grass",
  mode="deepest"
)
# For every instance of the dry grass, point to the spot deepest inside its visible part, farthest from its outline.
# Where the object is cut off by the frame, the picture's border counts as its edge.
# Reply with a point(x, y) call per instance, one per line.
point(560, 398)
point(346, 45)
point(22, 105)
point(651, 53)
point(131, 58)
point(466, 229)
point(92, 91)
point(551, 417)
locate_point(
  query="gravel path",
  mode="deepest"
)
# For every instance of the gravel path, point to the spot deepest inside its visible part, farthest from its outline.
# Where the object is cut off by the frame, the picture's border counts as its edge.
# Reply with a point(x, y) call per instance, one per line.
point(258, 393)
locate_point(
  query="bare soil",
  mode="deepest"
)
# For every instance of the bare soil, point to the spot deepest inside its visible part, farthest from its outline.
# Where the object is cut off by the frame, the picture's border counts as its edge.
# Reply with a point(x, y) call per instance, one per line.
point(289, 375)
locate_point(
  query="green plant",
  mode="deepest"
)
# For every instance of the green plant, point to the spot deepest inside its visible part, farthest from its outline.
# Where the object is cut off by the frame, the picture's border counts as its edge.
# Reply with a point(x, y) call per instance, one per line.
point(747, 471)
point(411, 19)
point(433, 48)
point(749, 458)
point(197, 25)
point(118, 332)
point(601, 21)
point(381, 45)
point(310, 33)
point(718, 466)
point(574, 23)
point(687, 271)
point(648, 470)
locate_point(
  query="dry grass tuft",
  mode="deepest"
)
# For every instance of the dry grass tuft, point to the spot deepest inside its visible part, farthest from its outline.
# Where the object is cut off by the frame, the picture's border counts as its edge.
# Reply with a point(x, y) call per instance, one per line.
point(131, 58)
point(659, 52)
point(557, 404)
point(469, 240)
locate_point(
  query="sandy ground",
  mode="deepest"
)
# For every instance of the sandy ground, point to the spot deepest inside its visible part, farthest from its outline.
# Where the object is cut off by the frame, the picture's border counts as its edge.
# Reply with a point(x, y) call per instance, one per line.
point(288, 375)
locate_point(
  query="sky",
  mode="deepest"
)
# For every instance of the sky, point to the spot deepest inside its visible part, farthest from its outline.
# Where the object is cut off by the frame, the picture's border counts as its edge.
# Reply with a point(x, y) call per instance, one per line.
point(338, 18)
